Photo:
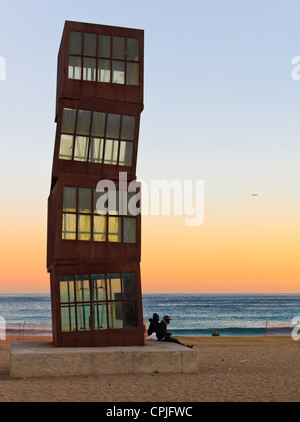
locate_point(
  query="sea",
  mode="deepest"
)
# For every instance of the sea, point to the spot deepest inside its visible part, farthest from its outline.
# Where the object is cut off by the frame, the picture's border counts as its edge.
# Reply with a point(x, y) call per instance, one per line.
point(191, 314)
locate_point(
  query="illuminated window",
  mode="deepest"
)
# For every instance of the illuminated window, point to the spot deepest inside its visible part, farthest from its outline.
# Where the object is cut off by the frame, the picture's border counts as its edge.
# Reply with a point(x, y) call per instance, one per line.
point(69, 214)
point(101, 217)
point(98, 301)
point(67, 299)
point(97, 137)
point(103, 58)
point(83, 308)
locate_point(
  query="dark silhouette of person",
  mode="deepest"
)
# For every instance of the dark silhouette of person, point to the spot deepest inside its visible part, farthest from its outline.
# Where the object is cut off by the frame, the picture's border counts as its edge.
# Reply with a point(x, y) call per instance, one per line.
point(162, 332)
point(154, 321)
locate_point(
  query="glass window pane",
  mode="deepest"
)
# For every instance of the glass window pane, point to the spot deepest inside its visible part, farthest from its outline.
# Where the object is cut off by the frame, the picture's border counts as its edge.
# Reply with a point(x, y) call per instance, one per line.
point(115, 316)
point(113, 202)
point(128, 123)
point(118, 72)
point(114, 286)
point(66, 288)
point(69, 199)
point(132, 49)
point(74, 71)
point(89, 69)
point(118, 48)
point(96, 150)
point(111, 152)
point(84, 317)
point(68, 318)
point(98, 287)
point(68, 121)
point(64, 291)
point(66, 147)
point(90, 44)
point(75, 42)
point(100, 202)
point(81, 148)
point(100, 316)
point(132, 74)
point(84, 227)
point(125, 158)
point(104, 46)
point(129, 285)
point(98, 125)
point(84, 200)
point(82, 288)
point(103, 71)
point(114, 229)
point(113, 125)
point(69, 226)
point(83, 122)
point(99, 234)
point(131, 314)
point(129, 230)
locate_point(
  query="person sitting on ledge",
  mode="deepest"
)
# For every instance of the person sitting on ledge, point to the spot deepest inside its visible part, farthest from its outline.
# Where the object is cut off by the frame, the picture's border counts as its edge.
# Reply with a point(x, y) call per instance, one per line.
point(162, 332)
point(153, 324)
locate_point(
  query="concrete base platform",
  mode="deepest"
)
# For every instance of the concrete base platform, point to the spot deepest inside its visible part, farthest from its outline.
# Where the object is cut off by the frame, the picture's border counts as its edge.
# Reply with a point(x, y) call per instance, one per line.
point(43, 359)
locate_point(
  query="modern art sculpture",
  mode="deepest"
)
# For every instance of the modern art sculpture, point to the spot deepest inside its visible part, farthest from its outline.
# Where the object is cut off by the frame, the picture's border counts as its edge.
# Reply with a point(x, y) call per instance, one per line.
point(94, 235)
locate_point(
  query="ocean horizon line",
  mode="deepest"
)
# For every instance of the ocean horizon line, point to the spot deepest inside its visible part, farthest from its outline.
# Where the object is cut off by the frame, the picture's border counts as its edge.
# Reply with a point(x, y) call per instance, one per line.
point(191, 313)
point(173, 293)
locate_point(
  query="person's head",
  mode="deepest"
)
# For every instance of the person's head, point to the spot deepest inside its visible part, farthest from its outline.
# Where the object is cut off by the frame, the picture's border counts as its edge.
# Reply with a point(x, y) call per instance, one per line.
point(167, 319)
point(155, 317)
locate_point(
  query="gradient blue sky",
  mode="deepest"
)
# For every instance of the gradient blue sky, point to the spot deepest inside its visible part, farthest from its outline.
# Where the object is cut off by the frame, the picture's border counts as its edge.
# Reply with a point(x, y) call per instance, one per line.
point(220, 104)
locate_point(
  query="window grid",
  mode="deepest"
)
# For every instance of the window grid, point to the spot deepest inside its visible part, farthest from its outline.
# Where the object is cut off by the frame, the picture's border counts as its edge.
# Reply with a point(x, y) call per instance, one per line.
point(105, 141)
point(111, 232)
point(130, 77)
point(92, 320)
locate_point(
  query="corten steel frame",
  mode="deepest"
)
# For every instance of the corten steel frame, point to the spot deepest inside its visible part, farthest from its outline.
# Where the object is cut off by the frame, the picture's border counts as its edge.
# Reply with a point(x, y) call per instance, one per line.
point(79, 257)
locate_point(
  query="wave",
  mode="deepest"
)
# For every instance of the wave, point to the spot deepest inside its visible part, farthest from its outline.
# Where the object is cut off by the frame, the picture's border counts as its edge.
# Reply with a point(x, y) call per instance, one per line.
point(233, 331)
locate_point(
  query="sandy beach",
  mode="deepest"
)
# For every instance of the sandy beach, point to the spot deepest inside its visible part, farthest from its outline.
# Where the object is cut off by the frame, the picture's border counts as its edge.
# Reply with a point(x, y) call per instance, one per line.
point(231, 369)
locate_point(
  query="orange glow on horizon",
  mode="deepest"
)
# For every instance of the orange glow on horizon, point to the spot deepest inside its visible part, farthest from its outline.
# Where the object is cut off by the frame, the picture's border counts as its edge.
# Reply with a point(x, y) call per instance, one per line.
point(217, 257)
point(23, 259)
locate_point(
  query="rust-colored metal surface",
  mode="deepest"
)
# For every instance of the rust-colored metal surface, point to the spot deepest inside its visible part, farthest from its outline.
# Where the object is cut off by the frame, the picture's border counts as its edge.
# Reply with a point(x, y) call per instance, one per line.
point(67, 88)
point(96, 295)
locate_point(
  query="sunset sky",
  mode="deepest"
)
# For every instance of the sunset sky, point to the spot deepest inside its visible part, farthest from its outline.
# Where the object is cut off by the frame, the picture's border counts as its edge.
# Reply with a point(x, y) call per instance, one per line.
point(220, 105)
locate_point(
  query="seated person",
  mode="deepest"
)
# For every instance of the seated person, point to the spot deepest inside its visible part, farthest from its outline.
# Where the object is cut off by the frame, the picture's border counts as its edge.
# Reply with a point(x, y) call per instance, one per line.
point(153, 324)
point(162, 333)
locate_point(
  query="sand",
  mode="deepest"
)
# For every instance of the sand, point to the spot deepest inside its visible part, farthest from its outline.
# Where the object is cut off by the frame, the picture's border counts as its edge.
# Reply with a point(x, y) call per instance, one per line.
point(232, 369)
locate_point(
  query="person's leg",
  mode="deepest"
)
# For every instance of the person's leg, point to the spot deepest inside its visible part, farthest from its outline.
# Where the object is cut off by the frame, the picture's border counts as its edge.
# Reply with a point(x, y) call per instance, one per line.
point(174, 340)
